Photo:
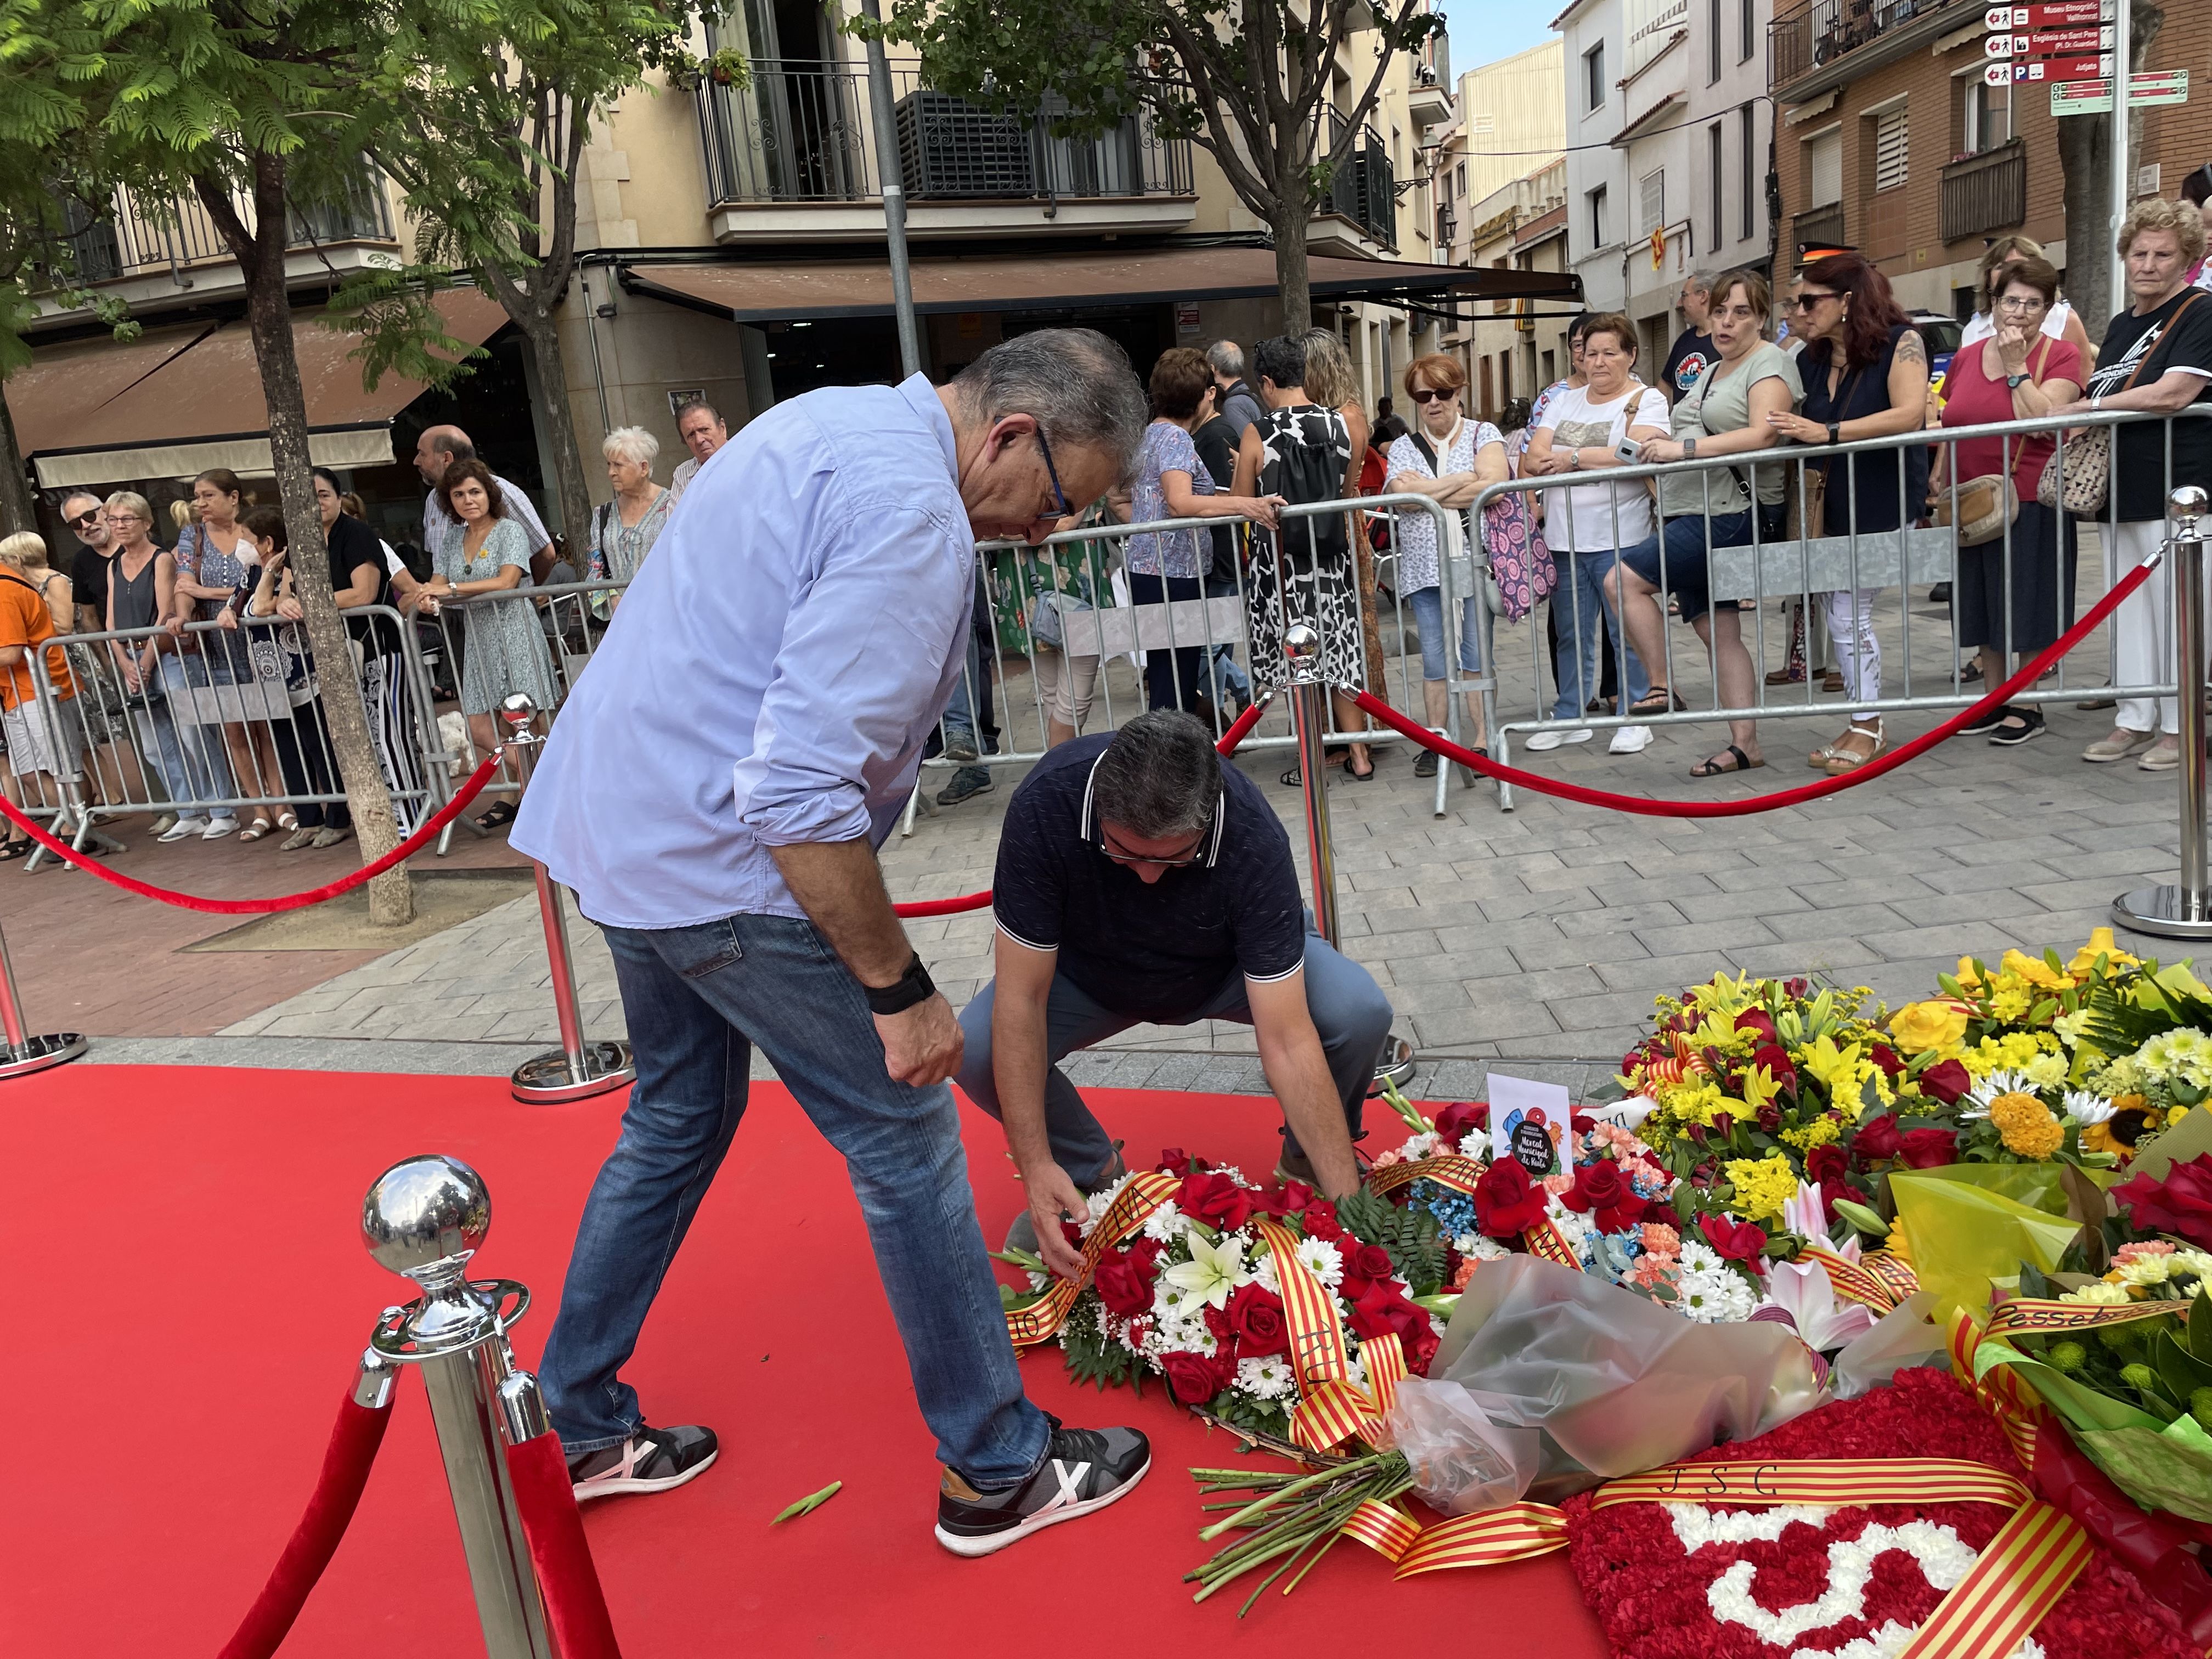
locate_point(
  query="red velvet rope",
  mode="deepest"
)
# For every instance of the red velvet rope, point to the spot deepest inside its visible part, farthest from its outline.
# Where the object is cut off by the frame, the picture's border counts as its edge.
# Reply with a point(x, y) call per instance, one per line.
point(368, 872)
point(1238, 730)
point(1730, 809)
point(576, 1607)
point(354, 1441)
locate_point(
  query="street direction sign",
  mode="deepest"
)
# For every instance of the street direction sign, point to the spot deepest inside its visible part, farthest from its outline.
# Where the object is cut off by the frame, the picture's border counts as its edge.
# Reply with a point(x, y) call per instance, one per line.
point(2095, 97)
point(2060, 69)
point(2063, 14)
point(2048, 43)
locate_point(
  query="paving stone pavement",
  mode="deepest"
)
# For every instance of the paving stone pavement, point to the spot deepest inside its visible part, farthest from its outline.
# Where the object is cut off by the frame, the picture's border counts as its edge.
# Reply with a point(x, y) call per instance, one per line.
point(1532, 939)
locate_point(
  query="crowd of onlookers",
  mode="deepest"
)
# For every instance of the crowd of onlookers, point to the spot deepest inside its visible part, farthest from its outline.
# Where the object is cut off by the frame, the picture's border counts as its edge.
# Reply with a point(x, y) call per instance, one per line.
point(185, 685)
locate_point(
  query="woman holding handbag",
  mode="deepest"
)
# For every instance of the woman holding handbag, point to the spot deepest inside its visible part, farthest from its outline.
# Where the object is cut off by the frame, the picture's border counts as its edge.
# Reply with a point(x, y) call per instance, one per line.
point(2006, 596)
point(2156, 355)
point(1450, 458)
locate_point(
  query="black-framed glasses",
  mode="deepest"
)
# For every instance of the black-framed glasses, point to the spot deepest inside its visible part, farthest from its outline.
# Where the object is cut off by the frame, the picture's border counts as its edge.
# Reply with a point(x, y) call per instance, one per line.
point(1807, 302)
point(1182, 861)
point(1061, 507)
point(92, 517)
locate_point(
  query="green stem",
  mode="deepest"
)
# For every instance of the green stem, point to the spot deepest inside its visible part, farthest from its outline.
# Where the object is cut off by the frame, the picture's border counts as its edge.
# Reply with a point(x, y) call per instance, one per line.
point(1282, 1493)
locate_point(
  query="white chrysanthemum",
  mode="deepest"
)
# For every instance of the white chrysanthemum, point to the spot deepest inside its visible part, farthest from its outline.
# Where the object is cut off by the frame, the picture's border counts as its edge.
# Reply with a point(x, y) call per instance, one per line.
point(1264, 1275)
point(2084, 1107)
point(1173, 1302)
point(1122, 1329)
point(1977, 1102)
point(1574, 1227)
point(1322, 1261)
point(1698, 1256)
point(2146, 1270)
point(2187, 1260)
point(1266, 1379)
point(1038, 1281)
point(1176, 1334)
point(1479, 1246)
point(1716, 1297)
point(2046, 1070)
point(1418, 1146)
point(1167, 1223)
point(1474, 1144)
point(1358, 1366)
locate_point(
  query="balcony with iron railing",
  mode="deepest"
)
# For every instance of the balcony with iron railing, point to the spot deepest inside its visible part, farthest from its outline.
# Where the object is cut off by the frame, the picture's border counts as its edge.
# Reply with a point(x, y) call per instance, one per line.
point(1816, 44)
point(1363, 187)
point(1819, 227)
point(802, 134)
point(1985, 193)
point(141, 236)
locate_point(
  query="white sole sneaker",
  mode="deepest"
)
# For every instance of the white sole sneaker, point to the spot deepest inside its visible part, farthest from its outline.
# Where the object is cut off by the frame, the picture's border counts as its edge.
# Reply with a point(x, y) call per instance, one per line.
point(219, 829)
point(992, 1543)
point(184, 830)
point(1630, 740)
point(1544, 740)
point(621, 1479)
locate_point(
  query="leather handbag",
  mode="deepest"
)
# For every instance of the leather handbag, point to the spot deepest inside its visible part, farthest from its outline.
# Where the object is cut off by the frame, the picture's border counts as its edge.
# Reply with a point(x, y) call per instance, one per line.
point(2085, 460)
point(1987, 506)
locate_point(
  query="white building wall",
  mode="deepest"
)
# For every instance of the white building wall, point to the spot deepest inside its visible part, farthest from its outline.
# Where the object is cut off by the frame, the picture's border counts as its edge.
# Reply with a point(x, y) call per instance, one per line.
point(1594, 249)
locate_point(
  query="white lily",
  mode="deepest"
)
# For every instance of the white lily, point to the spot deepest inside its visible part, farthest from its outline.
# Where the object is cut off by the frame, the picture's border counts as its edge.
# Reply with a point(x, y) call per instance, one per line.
point(1211, 1272)
point(1802, 1290)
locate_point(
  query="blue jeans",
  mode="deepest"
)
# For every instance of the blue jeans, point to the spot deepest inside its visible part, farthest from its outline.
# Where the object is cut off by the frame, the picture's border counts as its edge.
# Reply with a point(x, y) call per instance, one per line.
point(969, 691)
point(1580, 607)
point(1228, 677)
point(697, 1000)
point(1350, 1013)
point(1427, 606)
point(193, 766)
point(1679, 559)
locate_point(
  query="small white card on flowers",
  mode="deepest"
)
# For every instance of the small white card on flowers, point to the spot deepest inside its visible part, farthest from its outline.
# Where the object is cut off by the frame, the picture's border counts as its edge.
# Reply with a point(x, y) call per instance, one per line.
point(1529, 1123)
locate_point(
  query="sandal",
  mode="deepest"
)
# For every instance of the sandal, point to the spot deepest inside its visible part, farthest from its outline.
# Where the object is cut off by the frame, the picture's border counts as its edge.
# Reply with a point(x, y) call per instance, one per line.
point(498, 817)
point(1710, 768)
point(1841, 760)
point(1659, 700)
point(255, 830)
point(1367, 776)
point(288, 820)
point(16, 849)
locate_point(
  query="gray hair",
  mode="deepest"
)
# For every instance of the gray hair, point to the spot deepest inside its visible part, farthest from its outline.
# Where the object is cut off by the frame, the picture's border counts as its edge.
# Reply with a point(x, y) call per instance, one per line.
point(631, 443)
point(1226, 359)
point(1076, 382)
point(698, 406)
point(1159, 777)
point(1700, 282)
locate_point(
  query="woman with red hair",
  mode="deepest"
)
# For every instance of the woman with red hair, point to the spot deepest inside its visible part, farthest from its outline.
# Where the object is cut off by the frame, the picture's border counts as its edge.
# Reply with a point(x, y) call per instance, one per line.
point(1865, 369)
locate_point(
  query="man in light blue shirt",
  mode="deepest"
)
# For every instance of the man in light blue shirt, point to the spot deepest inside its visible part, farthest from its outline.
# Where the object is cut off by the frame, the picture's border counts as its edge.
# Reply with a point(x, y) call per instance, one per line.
point(714, 791)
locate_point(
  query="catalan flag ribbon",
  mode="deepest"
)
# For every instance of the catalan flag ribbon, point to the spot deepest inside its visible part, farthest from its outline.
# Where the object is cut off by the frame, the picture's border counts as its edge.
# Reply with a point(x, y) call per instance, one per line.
point(1832, 1483)
point(1547, 1242)
point(2017, 1579)
point(1332, 1408)
point(1511, 1533)
point(1451, 1169)
point(1132, 1207)
point(2036, 1317)
point(1389, 1531)
point(1854, 1281)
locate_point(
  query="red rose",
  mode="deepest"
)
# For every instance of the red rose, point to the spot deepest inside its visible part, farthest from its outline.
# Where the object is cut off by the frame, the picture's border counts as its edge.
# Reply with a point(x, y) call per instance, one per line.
point(1216, 1199)
point(1883, 1057)
point(1191, 1377)
point(1833, 1190)
point(2182, 1203)
point(1174, 1161)
point(1776, 1059)
point(1946, 1081)
point(1125, 1283)
point(1877, 1140)
point(1296, 1195)
point(1458, 1120)
point(1924, 1149)
point(1757, 1019)
point(1824, 1165)
point(1375, 1311)
point(1581, 1123)
point(1256, 1315)
point(1368, 1261)
point(1736, 1241)
point(1319, 1220)
point(1599, 1188)
point(1506, 1201)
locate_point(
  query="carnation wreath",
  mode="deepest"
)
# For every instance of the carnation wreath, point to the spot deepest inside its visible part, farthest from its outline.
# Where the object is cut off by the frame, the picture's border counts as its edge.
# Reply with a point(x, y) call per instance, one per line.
point(1730, 1580)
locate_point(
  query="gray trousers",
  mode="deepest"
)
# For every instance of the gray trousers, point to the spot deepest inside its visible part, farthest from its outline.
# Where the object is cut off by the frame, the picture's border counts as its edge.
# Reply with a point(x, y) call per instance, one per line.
point(1349, 1011)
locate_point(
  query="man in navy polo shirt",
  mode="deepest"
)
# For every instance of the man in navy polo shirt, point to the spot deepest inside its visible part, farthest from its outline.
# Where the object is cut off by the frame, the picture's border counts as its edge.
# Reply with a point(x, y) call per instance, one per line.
point(1142, 881)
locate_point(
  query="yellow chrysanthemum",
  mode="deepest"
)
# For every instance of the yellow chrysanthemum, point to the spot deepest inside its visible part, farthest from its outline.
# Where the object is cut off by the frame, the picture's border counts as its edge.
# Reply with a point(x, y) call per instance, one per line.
point(2011, 1002)
point(1920, 1026)
point(2027, 1126)
point(1762, 1185)
point(1820, 1131)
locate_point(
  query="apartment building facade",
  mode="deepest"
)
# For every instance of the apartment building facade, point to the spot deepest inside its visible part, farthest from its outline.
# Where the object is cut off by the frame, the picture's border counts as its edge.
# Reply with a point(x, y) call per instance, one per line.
point(1889, 141)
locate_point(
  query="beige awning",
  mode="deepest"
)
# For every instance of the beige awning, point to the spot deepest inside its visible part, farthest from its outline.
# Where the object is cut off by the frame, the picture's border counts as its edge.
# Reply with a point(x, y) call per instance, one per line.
point(748, 292)
point(179, 401)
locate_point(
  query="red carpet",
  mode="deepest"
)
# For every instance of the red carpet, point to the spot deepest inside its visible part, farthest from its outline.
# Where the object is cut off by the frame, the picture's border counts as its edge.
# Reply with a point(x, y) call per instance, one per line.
point(192, 1294)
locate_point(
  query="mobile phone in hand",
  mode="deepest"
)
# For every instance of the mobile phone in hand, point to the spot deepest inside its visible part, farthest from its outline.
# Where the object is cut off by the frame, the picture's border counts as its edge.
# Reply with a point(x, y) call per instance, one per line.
point(1629, 451)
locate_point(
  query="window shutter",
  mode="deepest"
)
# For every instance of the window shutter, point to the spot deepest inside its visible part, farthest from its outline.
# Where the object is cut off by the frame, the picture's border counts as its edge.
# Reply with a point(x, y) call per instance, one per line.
point(1890, 147)
point(1824, 169)
point(1655, 199)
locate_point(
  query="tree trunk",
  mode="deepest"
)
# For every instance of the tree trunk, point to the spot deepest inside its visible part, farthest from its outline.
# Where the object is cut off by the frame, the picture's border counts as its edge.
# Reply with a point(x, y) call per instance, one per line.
point(269, 316)
point(560, 425)
point(1293, 273)
point(2085, 154)
point(19, 509)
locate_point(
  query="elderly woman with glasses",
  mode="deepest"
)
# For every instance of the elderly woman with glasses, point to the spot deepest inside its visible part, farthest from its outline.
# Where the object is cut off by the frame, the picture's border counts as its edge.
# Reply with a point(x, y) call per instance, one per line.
point(624, 529)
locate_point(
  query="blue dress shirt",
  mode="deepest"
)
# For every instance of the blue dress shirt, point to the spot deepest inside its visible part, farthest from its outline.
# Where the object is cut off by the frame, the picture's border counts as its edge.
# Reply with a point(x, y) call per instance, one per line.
point(774, 671)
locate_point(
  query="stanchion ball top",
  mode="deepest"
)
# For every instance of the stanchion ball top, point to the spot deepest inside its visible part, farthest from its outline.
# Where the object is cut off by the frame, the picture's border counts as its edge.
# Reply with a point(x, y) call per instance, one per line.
point(423, 1210)
point(1301, 641)
point(2188, 502)
point(518, 710)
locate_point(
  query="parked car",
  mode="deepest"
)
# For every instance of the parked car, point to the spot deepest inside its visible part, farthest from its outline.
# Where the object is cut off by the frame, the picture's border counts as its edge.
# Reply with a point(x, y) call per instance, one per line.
point(1941, 334)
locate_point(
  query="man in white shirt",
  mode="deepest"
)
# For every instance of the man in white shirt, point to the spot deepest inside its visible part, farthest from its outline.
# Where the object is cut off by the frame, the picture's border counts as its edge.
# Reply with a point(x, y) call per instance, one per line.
point(703, 430)
point(438, 448)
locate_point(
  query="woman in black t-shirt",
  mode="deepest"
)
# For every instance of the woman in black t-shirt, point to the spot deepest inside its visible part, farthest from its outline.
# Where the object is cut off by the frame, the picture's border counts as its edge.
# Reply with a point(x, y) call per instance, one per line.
point(2157, 355)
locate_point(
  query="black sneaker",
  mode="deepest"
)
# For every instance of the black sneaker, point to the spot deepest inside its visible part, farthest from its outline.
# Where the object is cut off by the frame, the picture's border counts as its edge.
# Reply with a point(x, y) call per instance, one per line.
point(2031, 726)
point(969, 780)
point(651, 1460)
point(1426, 766)
point(1988, 722)
point(1084, 1469)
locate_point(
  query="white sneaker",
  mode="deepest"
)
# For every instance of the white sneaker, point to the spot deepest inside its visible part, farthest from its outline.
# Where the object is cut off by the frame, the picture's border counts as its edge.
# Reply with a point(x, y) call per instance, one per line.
point(184, 828)
point(1553, 739)
point(1630, 740)
point(218, 828)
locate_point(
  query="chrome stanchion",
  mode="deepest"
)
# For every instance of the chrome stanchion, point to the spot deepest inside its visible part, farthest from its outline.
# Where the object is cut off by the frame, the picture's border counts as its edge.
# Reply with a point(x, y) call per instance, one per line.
point(21, 1053)
point(424, 1219)
point(2185, 911)
point(580, 1069)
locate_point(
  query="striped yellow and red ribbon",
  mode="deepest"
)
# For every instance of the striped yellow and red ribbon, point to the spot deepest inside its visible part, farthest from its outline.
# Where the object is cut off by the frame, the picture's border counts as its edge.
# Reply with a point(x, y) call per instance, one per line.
point(2017, 1579)
point(1832, 1483)
point(1490, 1538)
point(1448, 1169)
point(1547, 1242)
point(1132, 1207)
point(1854, 1281)
point(1332, 1408)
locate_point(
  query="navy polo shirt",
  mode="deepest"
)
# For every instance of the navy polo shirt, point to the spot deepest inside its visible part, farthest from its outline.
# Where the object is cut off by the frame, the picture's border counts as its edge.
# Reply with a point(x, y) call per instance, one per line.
point(1157, 950)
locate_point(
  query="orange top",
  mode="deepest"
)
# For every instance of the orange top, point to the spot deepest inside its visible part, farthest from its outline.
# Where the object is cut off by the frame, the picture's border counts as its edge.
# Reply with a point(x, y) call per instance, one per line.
point(25, 620)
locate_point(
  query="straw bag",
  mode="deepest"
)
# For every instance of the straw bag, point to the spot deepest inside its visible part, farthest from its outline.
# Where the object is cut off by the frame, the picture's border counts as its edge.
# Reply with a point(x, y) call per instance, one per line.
point(2085, 459)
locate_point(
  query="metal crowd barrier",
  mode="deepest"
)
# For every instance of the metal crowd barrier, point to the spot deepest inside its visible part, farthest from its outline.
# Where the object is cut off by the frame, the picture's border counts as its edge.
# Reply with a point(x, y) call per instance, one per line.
point(1803, 572)
point(212, 731)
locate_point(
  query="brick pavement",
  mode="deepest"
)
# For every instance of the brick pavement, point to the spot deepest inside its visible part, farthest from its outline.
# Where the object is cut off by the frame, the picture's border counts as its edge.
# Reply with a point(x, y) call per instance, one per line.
point(1535, 938)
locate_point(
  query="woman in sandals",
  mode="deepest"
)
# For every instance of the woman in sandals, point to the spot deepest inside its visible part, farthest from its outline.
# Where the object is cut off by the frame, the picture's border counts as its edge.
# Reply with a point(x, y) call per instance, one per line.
point(1724, 413)
point(1865, 369)
point(2007, 597)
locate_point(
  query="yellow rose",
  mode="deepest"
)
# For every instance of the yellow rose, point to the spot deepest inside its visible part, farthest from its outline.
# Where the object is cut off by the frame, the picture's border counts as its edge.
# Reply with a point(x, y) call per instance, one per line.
point(1919, 1026)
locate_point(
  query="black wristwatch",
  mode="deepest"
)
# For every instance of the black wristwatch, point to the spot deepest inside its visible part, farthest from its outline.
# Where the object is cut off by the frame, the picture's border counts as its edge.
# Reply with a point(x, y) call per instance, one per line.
point(2015, 381)
point(902, 993)
point(1835, 432)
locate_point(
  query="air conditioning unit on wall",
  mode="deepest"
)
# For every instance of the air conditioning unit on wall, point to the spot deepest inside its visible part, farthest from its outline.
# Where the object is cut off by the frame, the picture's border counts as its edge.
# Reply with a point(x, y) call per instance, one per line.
point(949, 148)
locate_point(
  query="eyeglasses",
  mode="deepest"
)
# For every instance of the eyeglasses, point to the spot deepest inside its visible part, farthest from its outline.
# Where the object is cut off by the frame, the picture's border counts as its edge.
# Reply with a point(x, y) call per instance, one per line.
point(1060, 508)
point(92, 517)
point(1432, 395)
point(1807, 302)
point(1182, 861)
point(2032, 302)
